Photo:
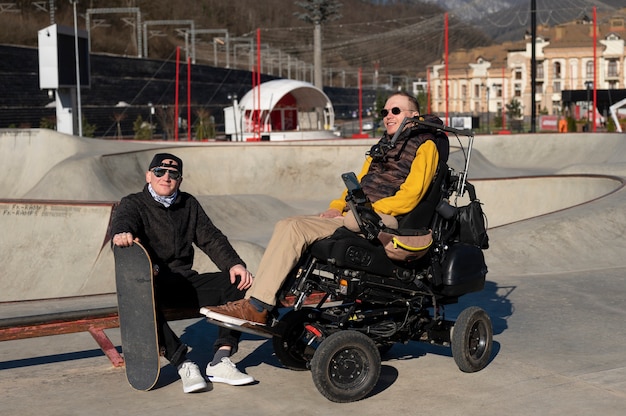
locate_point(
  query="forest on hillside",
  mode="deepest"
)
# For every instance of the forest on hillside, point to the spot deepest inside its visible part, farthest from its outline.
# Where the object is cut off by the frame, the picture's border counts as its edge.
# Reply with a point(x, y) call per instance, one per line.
point(393, 36)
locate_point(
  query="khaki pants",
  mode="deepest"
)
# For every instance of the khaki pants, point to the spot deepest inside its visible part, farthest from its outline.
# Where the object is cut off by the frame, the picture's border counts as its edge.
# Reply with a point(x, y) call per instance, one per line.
point(290, 239)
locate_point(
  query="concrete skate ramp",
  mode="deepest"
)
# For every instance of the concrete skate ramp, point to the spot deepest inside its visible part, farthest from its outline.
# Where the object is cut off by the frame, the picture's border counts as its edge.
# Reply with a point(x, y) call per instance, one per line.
point(560, 205)
point(53, 166)
point(554, 202)
point(50, 250)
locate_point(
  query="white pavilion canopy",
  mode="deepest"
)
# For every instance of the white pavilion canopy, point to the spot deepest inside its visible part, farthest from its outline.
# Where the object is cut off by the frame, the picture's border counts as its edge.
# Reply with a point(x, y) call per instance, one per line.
point(282, 105)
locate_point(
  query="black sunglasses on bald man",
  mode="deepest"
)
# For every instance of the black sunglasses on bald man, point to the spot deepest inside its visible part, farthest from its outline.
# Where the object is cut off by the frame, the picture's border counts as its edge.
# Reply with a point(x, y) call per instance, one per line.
point(159, 172)
point(395, 111)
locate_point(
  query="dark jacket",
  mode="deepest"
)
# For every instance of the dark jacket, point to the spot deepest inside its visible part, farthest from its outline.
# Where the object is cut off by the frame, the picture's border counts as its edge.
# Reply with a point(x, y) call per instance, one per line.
point(168, 233)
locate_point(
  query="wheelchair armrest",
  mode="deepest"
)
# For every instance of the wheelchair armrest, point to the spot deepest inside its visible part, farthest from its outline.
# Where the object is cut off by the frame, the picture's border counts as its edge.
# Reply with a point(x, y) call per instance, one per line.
point(368, 220)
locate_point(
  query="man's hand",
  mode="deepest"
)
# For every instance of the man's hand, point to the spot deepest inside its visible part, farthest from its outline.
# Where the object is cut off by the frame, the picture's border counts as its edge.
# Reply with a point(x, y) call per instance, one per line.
point(124, 239)
point(245, 276)
point(331, 213)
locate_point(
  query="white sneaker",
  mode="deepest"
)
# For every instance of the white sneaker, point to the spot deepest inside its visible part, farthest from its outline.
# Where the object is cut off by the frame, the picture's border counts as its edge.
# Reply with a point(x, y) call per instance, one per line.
point(192, 379)
point(227, 372)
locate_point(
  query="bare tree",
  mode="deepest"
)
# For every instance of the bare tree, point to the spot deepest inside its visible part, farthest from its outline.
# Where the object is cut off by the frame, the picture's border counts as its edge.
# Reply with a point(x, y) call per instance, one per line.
point(118, 118)
point(168, 120)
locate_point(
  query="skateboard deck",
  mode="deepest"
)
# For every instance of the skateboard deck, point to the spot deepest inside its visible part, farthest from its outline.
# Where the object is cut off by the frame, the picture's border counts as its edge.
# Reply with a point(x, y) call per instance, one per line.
point(135, 300)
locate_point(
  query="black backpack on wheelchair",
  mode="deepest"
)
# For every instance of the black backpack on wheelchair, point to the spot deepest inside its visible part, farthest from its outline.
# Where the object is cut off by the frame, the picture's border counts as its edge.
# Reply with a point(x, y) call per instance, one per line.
point(368, 302)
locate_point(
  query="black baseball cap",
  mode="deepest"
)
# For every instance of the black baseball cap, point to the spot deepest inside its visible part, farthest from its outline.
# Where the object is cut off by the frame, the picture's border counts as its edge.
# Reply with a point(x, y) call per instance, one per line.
point(157, 161)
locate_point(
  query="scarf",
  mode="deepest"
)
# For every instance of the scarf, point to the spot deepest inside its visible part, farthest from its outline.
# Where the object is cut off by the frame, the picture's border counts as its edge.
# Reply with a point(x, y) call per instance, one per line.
point(166, 201)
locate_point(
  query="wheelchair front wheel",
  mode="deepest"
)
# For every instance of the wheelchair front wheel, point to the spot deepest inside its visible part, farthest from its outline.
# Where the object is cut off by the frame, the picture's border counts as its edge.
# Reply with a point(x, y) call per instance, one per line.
point(346, 366)
point(472, 340)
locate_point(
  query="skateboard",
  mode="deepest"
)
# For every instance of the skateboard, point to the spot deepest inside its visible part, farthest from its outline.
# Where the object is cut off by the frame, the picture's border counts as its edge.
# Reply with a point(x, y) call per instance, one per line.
point(135, 302)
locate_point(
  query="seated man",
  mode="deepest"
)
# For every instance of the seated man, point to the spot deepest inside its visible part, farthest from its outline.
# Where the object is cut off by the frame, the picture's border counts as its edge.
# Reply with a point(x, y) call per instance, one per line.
point(167, 221)
point(394, 182)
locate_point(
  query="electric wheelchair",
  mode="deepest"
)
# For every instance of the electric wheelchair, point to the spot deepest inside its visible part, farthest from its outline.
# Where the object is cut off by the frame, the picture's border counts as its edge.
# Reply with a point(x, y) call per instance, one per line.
point(367, 302)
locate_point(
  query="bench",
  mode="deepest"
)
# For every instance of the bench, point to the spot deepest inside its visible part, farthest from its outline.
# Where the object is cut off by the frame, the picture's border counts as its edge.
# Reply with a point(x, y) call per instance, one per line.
point(94, 320)
point(93, 314)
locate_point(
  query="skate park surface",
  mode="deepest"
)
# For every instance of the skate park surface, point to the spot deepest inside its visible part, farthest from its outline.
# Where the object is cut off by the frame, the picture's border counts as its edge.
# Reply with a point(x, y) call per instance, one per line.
point(556, 287)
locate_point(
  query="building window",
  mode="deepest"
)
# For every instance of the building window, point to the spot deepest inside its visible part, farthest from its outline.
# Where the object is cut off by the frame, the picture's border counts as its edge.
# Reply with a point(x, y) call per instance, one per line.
point(557, 70)
point(518, 74)
point(518, 90)
point(556, 87)
point(464, 92)
point(498, 89)
point(589, 70)
point(539, 70)
point(476, 91)
point(612, 69)
point(617, 23)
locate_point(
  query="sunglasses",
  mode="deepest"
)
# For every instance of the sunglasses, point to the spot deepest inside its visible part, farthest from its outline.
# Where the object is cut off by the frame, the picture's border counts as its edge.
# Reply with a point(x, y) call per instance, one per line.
point(395, 111)
point(159, 172)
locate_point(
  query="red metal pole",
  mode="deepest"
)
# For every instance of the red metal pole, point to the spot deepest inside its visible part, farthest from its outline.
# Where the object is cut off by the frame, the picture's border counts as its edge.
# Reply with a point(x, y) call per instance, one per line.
point(176, 99)
point(188, 99)
point(360, 102)
point(258, 76)
point(253, 112)
point(503, 101)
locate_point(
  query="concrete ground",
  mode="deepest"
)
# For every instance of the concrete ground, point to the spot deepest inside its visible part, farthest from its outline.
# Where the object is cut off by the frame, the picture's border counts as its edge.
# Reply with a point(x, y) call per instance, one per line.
point(555, 292)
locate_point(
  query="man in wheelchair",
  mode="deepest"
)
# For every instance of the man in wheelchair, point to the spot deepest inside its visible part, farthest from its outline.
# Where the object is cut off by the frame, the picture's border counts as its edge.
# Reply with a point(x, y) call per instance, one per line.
point(396, 176)
point(386, 257)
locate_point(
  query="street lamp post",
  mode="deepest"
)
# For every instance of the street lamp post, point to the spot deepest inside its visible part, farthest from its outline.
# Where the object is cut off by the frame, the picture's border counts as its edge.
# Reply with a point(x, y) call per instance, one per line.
point(486, 87)
point(76, 56)
point(233, 98)
point(588, 86)
point(150, 117)
point(488, 113)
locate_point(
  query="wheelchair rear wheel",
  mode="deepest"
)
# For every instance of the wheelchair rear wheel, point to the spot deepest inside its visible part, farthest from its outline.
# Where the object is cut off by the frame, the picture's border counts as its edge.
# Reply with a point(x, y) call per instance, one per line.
point(472, 340)
point(346, 366)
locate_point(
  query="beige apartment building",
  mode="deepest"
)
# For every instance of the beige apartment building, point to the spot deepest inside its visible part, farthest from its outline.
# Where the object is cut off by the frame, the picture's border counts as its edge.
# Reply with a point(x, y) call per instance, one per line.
point(484, 80)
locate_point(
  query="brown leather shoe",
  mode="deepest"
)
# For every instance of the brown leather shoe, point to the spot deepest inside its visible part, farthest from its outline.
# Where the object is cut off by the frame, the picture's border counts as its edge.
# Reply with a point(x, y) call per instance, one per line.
point(236, 313)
